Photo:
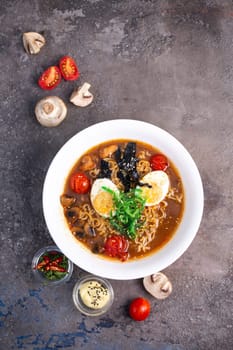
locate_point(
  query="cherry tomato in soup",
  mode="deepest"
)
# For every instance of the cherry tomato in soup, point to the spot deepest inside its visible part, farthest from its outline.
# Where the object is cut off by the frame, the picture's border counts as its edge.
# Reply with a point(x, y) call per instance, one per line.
point(139, 309)
point(117, 246)
point(50, 78)
point(68, 68)
point(80, 183)
point(159, 162)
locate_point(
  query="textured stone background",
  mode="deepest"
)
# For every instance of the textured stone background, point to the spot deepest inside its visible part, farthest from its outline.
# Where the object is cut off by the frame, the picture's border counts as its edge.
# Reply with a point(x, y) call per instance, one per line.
point(167, 62)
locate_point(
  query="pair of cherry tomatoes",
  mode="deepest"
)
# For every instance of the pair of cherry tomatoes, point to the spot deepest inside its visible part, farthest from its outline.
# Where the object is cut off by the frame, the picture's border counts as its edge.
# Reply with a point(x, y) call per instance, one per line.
point(51, 77)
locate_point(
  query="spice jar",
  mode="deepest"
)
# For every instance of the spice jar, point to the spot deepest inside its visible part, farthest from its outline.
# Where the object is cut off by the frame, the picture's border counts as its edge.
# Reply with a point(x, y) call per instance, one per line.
point(92, 295)
point(51, 266)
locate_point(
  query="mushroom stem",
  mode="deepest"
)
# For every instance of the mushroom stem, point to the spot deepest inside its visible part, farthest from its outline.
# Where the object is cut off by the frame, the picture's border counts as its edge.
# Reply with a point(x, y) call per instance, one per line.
point(48, 107)
point(165, 287)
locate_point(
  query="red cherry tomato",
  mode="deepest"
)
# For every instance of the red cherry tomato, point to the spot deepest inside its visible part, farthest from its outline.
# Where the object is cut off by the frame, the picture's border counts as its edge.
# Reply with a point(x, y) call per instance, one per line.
point(80, 183)
point(117, 246)
point(159, 162)
point(50, 78)
point(139, 309)
point(68, 68)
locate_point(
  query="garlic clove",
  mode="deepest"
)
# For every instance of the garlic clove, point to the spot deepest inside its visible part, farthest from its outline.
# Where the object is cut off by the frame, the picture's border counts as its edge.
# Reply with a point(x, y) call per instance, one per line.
point(81, 96)
point(50, 111)
point(33, 42)
point(158, 285)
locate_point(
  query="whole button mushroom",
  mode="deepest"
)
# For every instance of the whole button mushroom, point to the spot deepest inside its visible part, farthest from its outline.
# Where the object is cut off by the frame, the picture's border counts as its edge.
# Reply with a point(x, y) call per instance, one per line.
point(50, 111)
point(158, 285)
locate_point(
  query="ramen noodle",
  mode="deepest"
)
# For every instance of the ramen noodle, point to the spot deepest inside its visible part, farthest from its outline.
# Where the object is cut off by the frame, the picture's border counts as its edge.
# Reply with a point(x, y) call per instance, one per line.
point(123, 199)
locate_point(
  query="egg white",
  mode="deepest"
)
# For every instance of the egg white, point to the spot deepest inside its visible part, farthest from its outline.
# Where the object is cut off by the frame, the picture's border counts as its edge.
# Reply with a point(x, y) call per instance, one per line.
point(159, 182)
point(102, 200)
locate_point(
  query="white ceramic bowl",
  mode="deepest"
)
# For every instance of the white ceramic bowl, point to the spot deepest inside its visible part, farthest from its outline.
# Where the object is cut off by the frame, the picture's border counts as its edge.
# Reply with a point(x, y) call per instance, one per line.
point(67, 157)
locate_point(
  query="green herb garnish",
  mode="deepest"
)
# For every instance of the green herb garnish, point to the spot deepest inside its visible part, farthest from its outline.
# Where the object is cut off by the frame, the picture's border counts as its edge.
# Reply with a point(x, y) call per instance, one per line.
point(128, 210)
point(53, 265)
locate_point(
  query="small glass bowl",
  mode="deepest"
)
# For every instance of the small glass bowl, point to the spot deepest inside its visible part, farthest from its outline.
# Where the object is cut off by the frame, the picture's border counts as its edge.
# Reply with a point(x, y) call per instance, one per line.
point(39, 275)
point(81, 306)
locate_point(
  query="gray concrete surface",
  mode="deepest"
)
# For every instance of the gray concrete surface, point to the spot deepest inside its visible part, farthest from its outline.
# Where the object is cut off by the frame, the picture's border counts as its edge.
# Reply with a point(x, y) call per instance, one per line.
point(165, 62)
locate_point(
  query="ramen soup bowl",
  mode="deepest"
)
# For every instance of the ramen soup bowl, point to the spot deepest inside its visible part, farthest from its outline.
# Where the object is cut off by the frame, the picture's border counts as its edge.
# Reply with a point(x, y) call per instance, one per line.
point(65, 229)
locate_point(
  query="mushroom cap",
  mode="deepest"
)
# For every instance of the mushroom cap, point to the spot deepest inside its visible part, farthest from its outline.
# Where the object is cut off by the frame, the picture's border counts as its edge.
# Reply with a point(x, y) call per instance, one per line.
point(81, 96)
point(50, 111)
point(158, 285)
point(33, 42)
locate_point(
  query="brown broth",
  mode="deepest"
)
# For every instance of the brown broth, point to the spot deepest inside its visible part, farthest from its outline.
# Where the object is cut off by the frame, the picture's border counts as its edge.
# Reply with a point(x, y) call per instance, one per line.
point(166, 228)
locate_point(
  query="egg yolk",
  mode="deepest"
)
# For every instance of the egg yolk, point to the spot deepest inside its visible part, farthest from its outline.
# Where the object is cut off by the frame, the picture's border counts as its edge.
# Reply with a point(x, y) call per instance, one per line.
point(103, 203)
point(152, 195)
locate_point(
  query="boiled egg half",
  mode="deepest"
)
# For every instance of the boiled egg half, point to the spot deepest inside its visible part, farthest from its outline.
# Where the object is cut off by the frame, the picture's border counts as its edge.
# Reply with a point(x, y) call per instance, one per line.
point(159, 184)
point(101, 200)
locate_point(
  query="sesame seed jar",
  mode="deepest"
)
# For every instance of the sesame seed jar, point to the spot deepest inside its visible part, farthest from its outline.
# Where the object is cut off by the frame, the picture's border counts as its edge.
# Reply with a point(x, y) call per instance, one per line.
point(93, 295)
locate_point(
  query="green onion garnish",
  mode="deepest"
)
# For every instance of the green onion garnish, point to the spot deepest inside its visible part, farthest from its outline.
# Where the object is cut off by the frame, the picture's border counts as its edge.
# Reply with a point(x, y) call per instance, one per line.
point(128, 210)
